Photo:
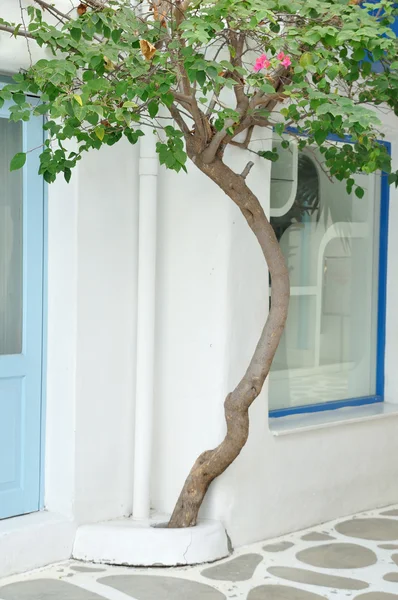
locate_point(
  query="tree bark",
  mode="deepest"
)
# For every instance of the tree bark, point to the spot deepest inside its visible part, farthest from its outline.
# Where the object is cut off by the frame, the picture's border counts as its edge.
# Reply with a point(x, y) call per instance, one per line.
point(212, 463)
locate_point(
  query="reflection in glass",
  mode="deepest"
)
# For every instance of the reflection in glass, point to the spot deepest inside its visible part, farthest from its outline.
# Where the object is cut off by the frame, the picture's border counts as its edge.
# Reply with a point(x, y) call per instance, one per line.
point(330, 242)
point(11, 272)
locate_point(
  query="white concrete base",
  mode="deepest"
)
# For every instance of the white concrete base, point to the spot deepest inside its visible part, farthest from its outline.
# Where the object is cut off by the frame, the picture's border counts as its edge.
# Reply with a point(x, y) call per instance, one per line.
point(137, 543)
point(34, 541)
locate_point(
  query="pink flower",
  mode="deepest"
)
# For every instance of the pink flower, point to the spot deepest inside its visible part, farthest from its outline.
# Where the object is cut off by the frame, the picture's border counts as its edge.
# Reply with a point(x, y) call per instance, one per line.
point(286, 62)
point(281, 56)
point(262, 62)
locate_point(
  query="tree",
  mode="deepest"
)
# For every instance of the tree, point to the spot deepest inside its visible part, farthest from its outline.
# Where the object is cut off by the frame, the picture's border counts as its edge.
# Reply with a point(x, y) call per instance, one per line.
point(204, 74)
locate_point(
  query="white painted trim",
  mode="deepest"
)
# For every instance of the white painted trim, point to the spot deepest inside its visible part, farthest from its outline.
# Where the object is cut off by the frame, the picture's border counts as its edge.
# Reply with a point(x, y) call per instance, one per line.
point(283, 210)
point(147, 233)
point(336, 231)
point(33, 541)
point(331, 418)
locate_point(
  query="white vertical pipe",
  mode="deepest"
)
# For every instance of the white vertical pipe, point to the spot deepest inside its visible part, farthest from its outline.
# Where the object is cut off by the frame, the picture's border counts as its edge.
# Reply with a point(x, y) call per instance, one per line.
point(148, 171)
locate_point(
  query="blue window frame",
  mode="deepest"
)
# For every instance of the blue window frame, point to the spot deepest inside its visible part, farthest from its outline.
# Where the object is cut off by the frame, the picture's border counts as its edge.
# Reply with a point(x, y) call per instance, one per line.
point(379, 361)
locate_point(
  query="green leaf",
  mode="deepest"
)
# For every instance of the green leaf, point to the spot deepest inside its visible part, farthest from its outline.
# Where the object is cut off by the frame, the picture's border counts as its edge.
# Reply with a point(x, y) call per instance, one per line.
point(76, 33)
point(306, 59)
point(78, 99)
point(332, 72)
point(92, 118)
point(201, 77)
point(377, 53)
point(18, 98)
point(359, 192)
point(267, 88)
point(41, 109)
point(269, 155)
point(116, 35)
point(358, 54)
point(18, 161)
point(211, 71)
point(100, 132)
point(67, 174)
point(153, 109)
point(320, 136)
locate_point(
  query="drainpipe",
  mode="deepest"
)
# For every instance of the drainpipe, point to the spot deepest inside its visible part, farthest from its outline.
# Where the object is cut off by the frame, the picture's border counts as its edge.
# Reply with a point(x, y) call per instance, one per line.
point(148, 171)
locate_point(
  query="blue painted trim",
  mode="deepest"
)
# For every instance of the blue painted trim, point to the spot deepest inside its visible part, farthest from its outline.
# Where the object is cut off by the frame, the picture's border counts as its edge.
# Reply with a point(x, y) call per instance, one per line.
point(381, 307)
point(5, 79)
point(333, 405)
point(382, 291)
point(36, 213)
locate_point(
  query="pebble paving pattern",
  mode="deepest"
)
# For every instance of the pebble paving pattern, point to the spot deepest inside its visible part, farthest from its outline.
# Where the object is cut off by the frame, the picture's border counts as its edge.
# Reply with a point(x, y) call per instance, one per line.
point(352, 558)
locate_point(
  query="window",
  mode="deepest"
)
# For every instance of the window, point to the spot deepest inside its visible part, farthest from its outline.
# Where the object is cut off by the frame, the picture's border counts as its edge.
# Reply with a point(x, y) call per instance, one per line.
point(378, 65)
point(11, 231)
point(331, 352)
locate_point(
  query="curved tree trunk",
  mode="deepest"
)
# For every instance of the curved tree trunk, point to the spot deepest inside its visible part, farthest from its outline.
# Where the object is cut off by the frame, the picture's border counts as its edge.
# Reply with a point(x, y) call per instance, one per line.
point(212, 463)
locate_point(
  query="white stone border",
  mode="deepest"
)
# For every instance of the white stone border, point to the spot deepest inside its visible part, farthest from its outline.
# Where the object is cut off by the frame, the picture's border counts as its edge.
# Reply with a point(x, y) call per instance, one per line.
point(143, 544)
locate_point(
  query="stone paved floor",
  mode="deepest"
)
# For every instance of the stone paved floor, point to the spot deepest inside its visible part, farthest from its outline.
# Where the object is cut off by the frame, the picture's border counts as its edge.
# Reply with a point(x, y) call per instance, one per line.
point(350, 558)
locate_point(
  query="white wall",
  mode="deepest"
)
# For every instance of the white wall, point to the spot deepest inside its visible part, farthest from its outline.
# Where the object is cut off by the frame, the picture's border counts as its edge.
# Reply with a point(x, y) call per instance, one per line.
point(105, 349)
point(211, 304)
point(92, 264)
point(212, 299)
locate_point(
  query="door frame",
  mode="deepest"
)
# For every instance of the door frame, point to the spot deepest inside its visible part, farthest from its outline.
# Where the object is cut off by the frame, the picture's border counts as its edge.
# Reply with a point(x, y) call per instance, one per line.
point(44, 313)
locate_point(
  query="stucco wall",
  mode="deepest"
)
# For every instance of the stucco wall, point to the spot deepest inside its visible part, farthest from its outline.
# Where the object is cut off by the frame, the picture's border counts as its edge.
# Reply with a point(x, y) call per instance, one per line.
point(211, 303)
point(213, 283)
point(92, 264)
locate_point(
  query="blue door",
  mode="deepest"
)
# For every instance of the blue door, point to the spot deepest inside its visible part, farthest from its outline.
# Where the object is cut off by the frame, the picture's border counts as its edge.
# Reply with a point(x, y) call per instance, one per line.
point(21, 318)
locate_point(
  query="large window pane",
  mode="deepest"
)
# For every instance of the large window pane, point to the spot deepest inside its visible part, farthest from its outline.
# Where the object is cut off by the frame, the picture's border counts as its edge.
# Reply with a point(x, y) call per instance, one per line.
point(11, 202)
point(330, 242)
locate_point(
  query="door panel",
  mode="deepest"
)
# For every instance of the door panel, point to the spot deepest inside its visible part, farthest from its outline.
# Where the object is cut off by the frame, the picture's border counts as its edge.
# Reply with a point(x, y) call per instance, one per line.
point(21, 318)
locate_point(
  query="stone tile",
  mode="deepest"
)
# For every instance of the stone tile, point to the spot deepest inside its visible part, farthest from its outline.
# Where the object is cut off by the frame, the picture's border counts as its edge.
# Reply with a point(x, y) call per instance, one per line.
point(393, 577)
point(377, 596)
point(314, 578)
point(45, 589)
point(314, 536)
point(278, 546)
point(378, 529)
point(281, 592)
point(395, 558)
point(389, 546)
point(237, 569)
point(338, 556)
point(390, 513)
point(150, 587)
point(83, 569)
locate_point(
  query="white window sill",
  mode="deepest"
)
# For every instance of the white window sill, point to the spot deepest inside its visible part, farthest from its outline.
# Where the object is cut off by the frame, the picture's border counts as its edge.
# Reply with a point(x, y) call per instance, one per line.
point(331, 418)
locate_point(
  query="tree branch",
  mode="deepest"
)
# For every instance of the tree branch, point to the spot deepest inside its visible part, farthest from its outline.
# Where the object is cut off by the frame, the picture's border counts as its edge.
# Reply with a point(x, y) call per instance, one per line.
point(175, 113)
point(242, 101)
point(21, 9)
point(247, 169)
point(51, 9)
point(210, 152)
point(16, 32)
point(212, 463)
